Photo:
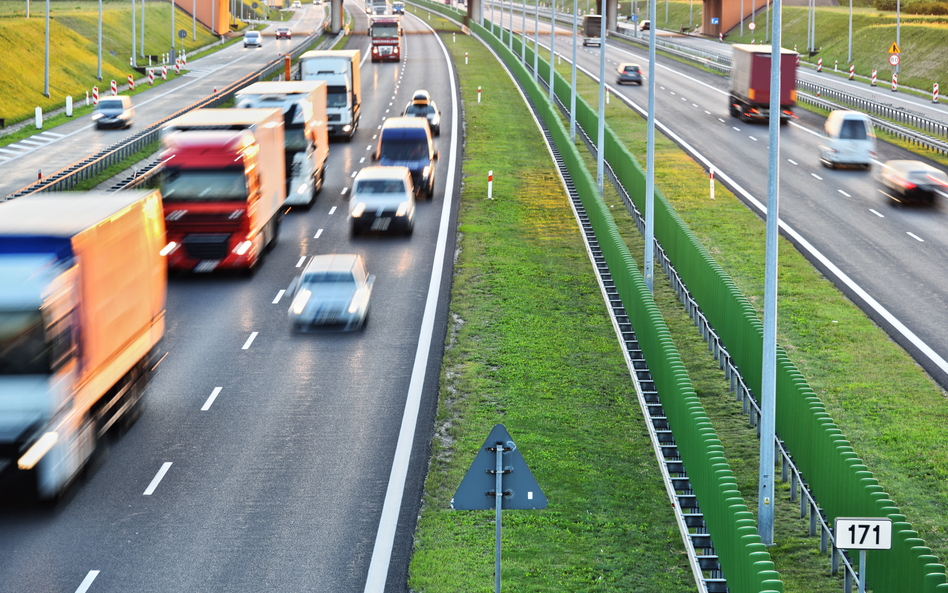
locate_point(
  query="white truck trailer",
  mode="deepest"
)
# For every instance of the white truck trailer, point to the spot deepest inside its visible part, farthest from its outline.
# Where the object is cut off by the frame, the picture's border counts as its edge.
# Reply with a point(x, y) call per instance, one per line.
point(339, 68)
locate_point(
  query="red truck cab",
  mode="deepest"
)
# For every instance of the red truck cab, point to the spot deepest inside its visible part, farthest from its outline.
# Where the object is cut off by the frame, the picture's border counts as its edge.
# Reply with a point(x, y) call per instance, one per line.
point(386, 34)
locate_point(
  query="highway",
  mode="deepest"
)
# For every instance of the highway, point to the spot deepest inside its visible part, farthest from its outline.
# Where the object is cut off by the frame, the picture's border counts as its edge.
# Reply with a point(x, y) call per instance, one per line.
point(883, 257)
point(267, 460)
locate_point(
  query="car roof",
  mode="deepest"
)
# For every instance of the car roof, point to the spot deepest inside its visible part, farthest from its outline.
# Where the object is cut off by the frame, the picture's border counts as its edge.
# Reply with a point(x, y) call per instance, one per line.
point(404, 122)
point(335, 262)
point(421, 95)
point(379, 172)
point(623, 65)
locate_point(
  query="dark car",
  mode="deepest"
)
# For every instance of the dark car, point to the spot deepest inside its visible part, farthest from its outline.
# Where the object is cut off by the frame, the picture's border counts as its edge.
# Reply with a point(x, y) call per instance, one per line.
point(284, 33)
point(406, 142)
point(629, 74)
point(421, 105)
point(913, 181)
point(114, 112)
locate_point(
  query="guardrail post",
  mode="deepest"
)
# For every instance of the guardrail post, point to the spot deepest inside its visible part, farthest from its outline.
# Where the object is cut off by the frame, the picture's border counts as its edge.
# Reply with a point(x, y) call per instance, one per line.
point(813, 512)
point(793, 486)
point(834, 563)
point(802, 502)
point(848, 582)
point(784, 468)
point(823, 539)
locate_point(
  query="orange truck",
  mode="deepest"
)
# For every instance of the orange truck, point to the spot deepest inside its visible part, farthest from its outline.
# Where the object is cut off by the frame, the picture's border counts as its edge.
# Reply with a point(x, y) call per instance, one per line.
point(82, 311)
point(223, 183)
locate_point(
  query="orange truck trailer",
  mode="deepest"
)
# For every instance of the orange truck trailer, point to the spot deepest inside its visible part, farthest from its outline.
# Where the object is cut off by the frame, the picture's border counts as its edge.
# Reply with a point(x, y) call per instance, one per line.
point(82, 311)
point(223, 184)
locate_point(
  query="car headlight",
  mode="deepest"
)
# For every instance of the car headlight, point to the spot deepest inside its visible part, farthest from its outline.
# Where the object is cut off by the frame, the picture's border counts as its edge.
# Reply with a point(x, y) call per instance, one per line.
point(96, 116)
point(299, 302)
point(358, 210)
point(402, 209)
point(356, 301)
point(426, 172)
point(302, 188)
point(243, 247)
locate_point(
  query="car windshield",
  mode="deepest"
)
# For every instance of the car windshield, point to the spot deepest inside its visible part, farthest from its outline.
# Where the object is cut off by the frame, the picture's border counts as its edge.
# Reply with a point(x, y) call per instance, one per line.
point(631, 69)
point(251, 35)
point(385, 30)
point(380, 186)
point(404, 150)
point(295, 137)
point(415, 109)
point(336, 96)
point(334, 278)
point(23, 347)
point(853, 129)
point(204, 185)
point(110, 104)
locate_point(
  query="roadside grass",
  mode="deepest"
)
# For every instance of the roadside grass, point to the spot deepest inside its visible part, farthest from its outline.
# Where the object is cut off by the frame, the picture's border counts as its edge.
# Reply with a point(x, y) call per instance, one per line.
point(530, 345)
point(74, 51)
point(891, 411)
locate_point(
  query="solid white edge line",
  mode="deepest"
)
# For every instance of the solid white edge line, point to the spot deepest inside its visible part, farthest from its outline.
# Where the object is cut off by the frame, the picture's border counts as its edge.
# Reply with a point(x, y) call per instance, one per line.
point(87, 582)
point(914, 236)
point(803, 244)
point(385, 538)
point(249, 341)
point(154, 482)
point(215, 393)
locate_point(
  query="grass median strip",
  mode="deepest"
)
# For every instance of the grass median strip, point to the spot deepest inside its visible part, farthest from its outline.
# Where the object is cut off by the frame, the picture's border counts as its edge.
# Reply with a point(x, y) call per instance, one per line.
point(888, 408)
point(531, 346)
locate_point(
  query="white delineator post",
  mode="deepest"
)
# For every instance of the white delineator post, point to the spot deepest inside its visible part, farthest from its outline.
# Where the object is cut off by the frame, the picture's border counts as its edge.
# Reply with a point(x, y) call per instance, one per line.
point(478, 94)
point(465, 58)
point(490, 185)
point(69, 106)
point(39, 118)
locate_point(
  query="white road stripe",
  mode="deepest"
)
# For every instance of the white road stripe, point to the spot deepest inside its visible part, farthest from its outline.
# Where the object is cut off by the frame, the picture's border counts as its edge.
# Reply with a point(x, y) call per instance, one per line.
point(300, 263)
point(844, 193)
point(213, 396)
point(752, 138)
point(154, 483)
point(916, 237)
point(737, 129)
point(722, 121)
point(318, 233)
point(87, 582)
point(353, 174)
point(32, 142)
point(53, 134)
point(876, 213)
point(362, 160)
point(792, 162)
point(344, 190)
point(249, 341)
point(333, 209)
point(279, 296)
point(8, 151)
point(369, 147)
point(708, 112)
point(817, 176)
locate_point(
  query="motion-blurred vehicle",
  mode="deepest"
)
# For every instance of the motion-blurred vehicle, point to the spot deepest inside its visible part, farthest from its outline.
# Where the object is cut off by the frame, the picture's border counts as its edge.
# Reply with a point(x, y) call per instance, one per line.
point(333, 292)
point(82, 311)
point(629, 74)
point(252, 39)
point(398, 8)
point(284, 33)
point(750, 82)
point(421, 105)
point(296, 4)
point(645, 26)
point(592, 29)
point(114, 112)
point(386, 35)
point(406, 142)
point(382, 199)
point(340, 69)
point(849, 140)
point(913, 181)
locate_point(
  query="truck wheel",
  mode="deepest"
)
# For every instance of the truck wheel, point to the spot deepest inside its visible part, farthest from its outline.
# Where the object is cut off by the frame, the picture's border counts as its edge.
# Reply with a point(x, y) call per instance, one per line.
point(273, 234)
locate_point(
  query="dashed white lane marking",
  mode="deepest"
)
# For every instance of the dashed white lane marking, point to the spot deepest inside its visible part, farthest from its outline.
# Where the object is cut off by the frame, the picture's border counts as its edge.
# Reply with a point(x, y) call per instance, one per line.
point(369, 147)
point(300, 263)
point(154, 482)
point(708, 112)
point(844, 193)
point(214, 394)
point(695, 105)
point(279, 296)
point(362, 160)
point(736, 129)
point(916, 237)
point(318, 233)
point(752, 138)
point(672, 92)
point(817, 176)
point(722, 121)
point(87, 582)
point(792, 162)
point(249, 341)
point(332, 210)
point(876, 213)
point(344, 190)
point(375, 136)
point(387, 110)
point(353, 174)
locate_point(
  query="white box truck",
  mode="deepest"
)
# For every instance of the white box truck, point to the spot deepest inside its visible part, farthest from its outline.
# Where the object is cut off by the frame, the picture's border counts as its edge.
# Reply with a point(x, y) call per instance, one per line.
point(340, 69)
point(592, 29)
point(305, 134)
point(82, 310)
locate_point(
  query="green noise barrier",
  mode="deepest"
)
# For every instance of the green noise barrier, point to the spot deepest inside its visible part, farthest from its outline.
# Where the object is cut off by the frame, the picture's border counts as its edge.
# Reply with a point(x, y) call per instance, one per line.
point(743, 557)
point(840, 482)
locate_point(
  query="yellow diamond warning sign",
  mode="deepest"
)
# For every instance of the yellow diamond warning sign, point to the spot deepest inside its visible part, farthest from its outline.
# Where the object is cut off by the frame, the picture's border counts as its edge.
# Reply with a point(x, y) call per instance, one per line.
point(895, 48)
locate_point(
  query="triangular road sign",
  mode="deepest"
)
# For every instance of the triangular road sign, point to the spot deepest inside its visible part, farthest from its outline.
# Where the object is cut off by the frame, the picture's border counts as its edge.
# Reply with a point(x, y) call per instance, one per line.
point(520, 488)
point(894, 49)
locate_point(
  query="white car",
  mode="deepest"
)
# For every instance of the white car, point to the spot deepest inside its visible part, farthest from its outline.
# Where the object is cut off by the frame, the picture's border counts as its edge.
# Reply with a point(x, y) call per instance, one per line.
point(382, 199)
point(849, 140)
point(333, 292)
point(296, 4)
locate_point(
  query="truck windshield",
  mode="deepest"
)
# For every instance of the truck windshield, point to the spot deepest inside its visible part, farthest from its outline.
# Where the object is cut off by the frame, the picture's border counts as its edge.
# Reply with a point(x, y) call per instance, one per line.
point(23, 347)
point(408, 150)
point(204, 185)
point(295, 137)
point(336, 96)
point(385, 31)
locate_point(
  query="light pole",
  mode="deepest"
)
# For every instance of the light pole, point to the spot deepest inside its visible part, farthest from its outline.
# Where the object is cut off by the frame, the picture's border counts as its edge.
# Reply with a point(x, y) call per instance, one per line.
point(194, 19)
point(134, 53)
point(850, 31)
point(650, 156)
point(572, 88)
point(602, 99)
point(143, 29)
point(536, 38)
point(99, 74)
point(46, 88)
point(898, 30)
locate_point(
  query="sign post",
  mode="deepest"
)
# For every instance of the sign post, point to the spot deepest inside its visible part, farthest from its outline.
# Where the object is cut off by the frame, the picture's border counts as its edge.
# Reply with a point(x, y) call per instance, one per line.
point(500, 479)
point(863, 533)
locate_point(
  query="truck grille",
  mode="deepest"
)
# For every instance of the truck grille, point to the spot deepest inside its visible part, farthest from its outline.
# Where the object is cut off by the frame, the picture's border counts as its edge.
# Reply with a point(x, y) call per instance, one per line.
point(207, 246)
point(335, 117)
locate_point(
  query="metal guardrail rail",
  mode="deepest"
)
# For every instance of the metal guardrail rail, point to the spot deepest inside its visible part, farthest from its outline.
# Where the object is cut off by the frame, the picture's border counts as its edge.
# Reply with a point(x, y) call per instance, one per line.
point(90, 167)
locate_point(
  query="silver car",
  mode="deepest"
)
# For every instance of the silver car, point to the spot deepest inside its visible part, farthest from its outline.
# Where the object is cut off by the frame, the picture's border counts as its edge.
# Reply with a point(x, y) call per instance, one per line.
point(382, 199)
point(333, 292)
point(253, 39)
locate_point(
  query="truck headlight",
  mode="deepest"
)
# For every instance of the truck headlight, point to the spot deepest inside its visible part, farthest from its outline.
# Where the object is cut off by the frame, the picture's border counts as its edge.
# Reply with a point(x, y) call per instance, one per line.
point(402, 209)
point(346, 128)
point(299, 302)
point(302, 188)
point(358, 210)
point(243, 247)
point(426, 172)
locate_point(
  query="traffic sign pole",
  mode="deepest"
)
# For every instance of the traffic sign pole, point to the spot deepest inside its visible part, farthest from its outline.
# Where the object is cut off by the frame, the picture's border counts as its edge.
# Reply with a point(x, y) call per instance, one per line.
point(498, 498)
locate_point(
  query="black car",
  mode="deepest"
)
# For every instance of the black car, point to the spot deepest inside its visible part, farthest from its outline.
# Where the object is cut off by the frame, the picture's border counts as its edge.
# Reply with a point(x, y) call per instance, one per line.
point(629, 74)
point(421, 105)
point(913, 181)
